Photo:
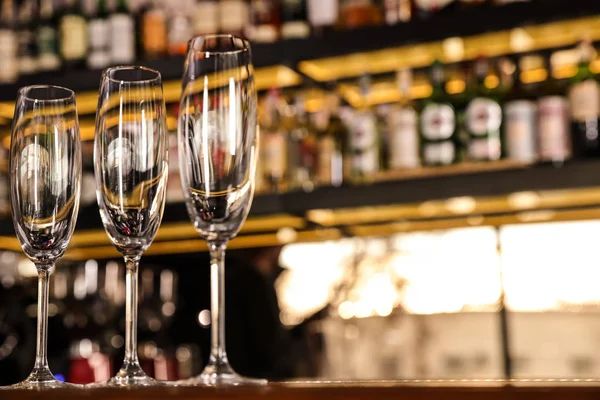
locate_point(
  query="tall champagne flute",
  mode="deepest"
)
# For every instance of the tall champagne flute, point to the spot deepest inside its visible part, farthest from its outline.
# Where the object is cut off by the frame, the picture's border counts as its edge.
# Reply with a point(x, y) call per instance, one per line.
point(130, 161)
point(45, 179)
point(217, 138)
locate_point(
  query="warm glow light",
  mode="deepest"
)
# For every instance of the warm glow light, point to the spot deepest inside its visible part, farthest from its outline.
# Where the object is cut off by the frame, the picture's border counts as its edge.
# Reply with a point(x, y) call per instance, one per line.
point(286, 235)
point(428, 209)
point(523, 200)
point(204, 318)
point(26, 268)
point(455, 86)
point(454, 49)
point(491, 81)
point(536, 216)
point(311, 271)
point(538, 266)
point(346, 310)
point(461, 205)
point(520, 40)
point(534, 75)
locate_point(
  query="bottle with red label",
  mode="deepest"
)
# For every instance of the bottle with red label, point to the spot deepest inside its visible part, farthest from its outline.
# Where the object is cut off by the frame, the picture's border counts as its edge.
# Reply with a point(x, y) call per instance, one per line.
point(553, 132)
point(265, 21)
point(438, 133)
point(519, 109)
point(483, 118)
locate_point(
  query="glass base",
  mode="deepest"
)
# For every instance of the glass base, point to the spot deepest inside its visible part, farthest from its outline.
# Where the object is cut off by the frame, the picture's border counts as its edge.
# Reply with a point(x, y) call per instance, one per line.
point(222, 375)
point(41, 379)
point(130, 374)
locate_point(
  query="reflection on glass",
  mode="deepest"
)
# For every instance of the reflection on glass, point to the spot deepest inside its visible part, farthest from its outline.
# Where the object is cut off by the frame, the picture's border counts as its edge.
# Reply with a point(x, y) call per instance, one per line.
point(130, 160)
point(217, 155)
point(45, 175)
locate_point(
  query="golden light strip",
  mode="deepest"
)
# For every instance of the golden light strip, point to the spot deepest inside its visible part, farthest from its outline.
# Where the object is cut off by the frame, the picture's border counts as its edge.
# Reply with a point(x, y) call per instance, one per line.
point(518, 218)
point(185, 230)
point(544, 36)
point(198, 245)
point(264, 78)
point(384, 92)
point(524, 207)
point(452, 170)
point(460, 206)
point(263, 224)
point(271, 239)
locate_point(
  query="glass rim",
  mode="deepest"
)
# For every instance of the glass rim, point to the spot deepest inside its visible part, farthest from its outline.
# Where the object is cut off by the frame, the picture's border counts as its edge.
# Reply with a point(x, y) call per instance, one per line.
point(24, 93)
point(108, 71)
point(245, 42)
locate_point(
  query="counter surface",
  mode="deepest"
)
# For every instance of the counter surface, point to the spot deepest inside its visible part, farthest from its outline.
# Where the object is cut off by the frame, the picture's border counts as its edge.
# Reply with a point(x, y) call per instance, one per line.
point(404, 390)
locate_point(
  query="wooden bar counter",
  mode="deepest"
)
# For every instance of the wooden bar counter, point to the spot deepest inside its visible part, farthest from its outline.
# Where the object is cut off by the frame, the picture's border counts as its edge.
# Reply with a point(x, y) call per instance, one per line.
point(403, 390)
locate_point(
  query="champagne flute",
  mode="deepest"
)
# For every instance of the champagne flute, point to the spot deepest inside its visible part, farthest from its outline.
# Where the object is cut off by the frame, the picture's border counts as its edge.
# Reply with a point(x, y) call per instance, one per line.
point(217, 136)
point(130, 162)
point(45, 179)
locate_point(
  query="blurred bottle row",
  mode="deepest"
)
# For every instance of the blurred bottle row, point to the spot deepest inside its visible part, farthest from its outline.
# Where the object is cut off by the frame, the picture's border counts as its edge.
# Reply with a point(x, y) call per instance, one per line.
point(86, 307)
point(45, 35)
point(481, 111)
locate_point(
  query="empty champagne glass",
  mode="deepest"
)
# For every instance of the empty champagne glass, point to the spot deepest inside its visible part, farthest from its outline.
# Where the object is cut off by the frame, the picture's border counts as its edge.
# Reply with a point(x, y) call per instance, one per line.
point(217, 138)
point(130, 161)
point(45, 176)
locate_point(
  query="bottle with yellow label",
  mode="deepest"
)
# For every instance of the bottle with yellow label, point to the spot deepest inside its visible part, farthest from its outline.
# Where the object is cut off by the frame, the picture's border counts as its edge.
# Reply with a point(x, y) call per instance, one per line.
point(73, 36)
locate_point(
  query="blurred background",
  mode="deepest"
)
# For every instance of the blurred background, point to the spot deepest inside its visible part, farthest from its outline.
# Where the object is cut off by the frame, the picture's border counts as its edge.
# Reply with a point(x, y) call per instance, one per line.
point(428, 195)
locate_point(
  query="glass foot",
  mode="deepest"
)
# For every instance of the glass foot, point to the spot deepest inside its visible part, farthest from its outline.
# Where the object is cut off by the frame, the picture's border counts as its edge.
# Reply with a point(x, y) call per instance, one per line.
point(128, 375)
point(41, 379)
point(222, 376)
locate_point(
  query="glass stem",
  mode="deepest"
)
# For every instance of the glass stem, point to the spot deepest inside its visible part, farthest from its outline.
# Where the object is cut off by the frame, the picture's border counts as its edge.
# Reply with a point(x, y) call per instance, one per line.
point(131, 309)
point(218, 355)
point(41, 356)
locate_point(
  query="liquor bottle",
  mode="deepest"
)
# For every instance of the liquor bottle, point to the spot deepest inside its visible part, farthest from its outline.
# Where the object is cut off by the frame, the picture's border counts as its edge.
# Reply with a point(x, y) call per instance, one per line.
point(47, 49)
point(99, 37)
point(363, 141)
point(233, 15)
point(265, 21)
point(440, 144)
point(584, 101)
point(520, 116)
point(27, 42)
point(206, 17)
point(323, 15)
point(330, 167)
point(483, 119)
point(301, 149)
point(122, 28)
point(8, 44)
point(397, 11)
point(554, 135)
point(73, 35)
point(273, 143)
point(180, 27)
point(154, 31)
point(294, 20)
point(403, 141)
point(359, 13)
